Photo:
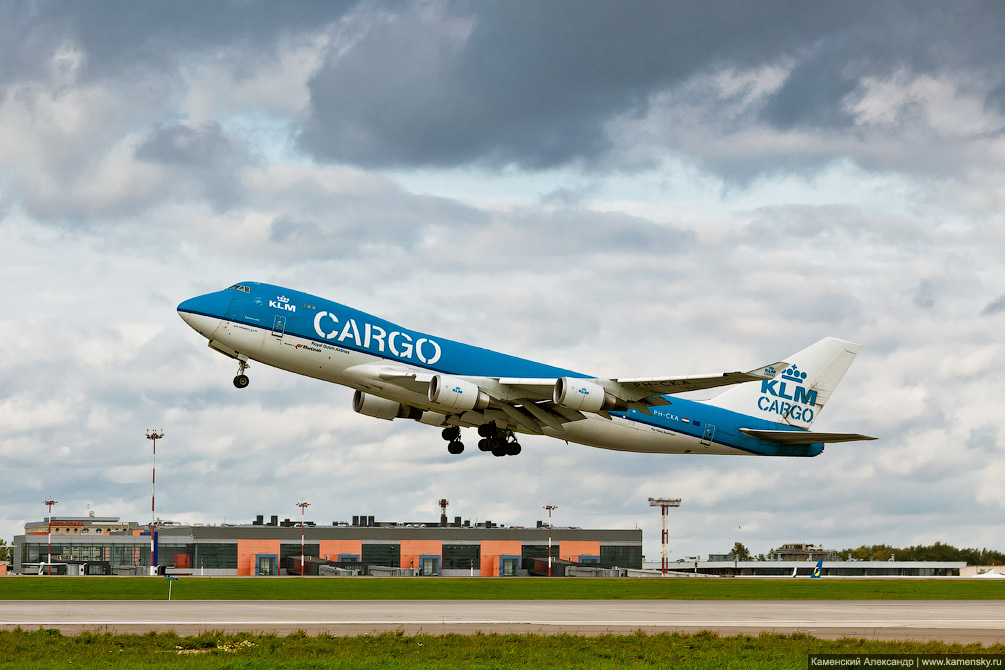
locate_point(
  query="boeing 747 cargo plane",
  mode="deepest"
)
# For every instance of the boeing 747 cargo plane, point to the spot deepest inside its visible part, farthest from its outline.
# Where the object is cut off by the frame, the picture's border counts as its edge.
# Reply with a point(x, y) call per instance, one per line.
point(403, 374)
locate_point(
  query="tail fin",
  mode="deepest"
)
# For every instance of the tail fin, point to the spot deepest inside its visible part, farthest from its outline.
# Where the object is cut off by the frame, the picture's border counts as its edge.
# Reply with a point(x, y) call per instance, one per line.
point(818, 569)
point(797, 396)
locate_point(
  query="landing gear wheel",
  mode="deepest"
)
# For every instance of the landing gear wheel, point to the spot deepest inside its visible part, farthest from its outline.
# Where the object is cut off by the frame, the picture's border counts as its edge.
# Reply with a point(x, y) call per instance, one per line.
point(487, 429)
point(513, 449)
point(499, 452)
point(483, 445)
point(241, 380)
point(451, 433)
point(455, 447)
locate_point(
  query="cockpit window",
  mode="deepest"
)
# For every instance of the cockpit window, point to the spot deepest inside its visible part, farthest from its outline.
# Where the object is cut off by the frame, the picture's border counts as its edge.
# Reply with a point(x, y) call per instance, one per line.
point(239, 287)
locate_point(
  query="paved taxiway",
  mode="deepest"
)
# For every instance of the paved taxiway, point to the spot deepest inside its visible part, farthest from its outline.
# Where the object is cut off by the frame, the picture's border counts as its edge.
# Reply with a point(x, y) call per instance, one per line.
point(948, 620)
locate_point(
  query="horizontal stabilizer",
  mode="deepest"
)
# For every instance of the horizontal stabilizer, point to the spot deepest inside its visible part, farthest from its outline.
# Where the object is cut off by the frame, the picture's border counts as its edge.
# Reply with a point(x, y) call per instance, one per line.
point(797, 437)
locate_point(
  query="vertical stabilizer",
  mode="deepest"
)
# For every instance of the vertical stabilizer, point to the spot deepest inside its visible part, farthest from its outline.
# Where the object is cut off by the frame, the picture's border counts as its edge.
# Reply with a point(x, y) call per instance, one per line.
point(797, 396)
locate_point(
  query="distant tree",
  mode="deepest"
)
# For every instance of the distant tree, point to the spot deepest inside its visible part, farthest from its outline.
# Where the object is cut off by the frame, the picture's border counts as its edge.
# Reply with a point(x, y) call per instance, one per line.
point(4, 550)
point(934, 552)
point(740, 552)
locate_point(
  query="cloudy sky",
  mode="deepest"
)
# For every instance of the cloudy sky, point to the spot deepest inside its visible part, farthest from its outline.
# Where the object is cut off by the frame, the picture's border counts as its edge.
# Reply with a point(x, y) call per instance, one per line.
point(631, 189)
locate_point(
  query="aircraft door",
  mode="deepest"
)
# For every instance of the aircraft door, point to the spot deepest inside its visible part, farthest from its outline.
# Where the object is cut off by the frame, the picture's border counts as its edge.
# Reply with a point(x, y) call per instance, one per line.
point(279, 327)
point(706, 439)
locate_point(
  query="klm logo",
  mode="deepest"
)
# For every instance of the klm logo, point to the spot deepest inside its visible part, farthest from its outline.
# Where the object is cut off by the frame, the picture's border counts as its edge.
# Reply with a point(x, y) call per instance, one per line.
point(787, 396)
point(282, 302)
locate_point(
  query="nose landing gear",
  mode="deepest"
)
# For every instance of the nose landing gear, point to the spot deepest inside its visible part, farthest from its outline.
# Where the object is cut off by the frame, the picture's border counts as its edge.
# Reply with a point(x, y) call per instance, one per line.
point(241, 380)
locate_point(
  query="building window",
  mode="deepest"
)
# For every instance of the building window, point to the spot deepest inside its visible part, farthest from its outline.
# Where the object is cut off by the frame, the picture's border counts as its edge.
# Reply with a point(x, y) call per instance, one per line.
point(216, 556)
point(622, 557)
point(285, 550)
point(461, 556)
point(509, 566)
point(388, 555)
point(175, 555)
point(429, 566)
point(529, 551)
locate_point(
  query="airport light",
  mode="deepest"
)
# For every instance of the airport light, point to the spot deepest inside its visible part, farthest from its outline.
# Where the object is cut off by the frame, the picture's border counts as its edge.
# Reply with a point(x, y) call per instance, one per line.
point(549, 507)
point(153, 436)
point(665, 504)
point(50, 503)
point(303, 507)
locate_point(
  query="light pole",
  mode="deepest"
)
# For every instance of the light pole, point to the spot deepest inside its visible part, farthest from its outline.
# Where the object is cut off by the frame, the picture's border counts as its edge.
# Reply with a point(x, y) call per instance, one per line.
point(50, 503)
point(549, 507)
point(153, 436)
point(303, 507)
point(665, 504)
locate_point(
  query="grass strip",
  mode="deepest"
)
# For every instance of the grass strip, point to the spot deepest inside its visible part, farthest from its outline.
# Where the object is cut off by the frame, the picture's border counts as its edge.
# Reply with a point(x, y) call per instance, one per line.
point(484, 588)
point(45, 649)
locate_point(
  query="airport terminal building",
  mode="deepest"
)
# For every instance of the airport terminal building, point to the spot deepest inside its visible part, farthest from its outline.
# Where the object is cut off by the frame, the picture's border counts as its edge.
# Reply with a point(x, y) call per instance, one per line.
point(107, 546)
point(361, 547)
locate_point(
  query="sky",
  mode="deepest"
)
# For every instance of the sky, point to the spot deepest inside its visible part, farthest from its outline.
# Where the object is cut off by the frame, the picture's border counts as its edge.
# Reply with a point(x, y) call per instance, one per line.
point(641, 189)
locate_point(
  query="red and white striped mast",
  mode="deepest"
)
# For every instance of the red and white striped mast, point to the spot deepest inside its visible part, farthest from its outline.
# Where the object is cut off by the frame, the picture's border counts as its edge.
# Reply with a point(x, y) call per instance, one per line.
point(665, 504)
point(153, 435)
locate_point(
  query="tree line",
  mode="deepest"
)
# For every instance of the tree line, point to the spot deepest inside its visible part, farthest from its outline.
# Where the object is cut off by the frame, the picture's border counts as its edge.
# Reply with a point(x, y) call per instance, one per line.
point(933, 552)
point(883, 552)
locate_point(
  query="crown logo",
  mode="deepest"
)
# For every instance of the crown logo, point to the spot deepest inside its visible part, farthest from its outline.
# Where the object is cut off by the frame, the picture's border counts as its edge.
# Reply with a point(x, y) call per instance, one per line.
point(283, 298)
point(793, 374)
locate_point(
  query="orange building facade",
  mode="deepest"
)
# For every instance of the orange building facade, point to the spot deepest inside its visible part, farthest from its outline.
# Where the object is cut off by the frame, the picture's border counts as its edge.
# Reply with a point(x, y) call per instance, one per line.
point(486, 550)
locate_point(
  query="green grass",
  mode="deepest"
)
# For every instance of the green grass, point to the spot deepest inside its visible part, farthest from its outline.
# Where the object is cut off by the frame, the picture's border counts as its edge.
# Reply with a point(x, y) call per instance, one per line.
point(46, 649)
point(265, 588)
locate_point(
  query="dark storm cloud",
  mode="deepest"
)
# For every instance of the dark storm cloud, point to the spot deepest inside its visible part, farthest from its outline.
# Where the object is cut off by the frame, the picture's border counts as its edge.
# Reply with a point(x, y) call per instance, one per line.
point(118, 36)
point(533, 84)
point(522, 82)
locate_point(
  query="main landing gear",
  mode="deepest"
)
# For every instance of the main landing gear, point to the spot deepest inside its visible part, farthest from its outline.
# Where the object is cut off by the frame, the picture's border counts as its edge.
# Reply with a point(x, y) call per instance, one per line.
point(499, 442)
point(452, 435)
point(241, 380)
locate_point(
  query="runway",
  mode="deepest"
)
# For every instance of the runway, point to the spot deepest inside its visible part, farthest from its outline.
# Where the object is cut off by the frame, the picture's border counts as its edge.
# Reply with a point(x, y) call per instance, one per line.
point(950, 621)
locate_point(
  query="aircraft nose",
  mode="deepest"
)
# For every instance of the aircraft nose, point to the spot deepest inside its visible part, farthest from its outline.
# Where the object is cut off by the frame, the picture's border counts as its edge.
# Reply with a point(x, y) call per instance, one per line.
point(203, 313)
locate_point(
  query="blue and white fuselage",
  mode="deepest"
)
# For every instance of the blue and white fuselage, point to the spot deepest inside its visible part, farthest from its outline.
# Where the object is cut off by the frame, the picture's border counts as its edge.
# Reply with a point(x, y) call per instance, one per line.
point(402, 373)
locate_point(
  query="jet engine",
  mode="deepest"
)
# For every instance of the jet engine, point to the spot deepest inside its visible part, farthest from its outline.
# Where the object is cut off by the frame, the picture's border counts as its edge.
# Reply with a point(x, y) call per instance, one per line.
point(382, 408)
point(455, 393)
point(582, 395)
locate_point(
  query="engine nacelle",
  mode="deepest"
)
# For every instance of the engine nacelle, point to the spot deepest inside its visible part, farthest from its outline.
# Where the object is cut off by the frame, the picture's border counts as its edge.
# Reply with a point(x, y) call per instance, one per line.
point(586, 396)
point(382, 408)
point(455, 393)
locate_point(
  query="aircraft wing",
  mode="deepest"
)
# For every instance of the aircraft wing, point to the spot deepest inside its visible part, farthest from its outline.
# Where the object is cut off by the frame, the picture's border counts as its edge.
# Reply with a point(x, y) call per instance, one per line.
point(645, 387)
point(530, 402)
point(798, 437)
